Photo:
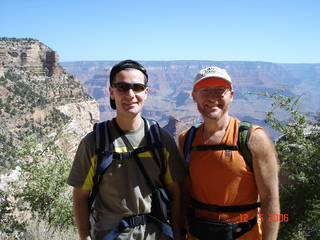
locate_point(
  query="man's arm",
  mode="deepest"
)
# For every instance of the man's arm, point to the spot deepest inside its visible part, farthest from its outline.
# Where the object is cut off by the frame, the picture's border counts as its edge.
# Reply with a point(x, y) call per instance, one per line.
point(265, 165)
point(174, 189)
point(81, 212)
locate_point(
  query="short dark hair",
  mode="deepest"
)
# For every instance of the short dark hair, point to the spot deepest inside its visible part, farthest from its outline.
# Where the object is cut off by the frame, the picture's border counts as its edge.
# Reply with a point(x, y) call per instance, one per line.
point(127, 64)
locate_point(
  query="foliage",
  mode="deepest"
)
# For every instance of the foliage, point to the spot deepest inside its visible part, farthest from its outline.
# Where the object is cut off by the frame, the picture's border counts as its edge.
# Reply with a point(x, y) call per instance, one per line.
point(41, 191)
point(299, 152)
point(9, 224)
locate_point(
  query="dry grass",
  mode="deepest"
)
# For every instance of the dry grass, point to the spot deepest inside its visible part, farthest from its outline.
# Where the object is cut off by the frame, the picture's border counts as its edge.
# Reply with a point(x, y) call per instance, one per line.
point(40, 230)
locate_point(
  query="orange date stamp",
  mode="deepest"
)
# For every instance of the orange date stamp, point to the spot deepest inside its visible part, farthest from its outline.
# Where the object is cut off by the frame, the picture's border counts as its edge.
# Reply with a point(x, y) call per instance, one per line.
point(269, 218)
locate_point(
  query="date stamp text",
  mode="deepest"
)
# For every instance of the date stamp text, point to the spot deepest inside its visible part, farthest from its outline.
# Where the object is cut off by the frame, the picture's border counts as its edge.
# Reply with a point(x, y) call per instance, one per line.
point(269, 218)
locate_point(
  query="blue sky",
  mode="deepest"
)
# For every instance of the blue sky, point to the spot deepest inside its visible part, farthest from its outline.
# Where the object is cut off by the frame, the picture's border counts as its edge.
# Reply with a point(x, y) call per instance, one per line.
point(280, 31)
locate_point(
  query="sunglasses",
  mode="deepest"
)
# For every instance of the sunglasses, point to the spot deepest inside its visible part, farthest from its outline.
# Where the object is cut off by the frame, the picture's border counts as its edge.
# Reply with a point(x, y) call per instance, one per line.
point(124, 86)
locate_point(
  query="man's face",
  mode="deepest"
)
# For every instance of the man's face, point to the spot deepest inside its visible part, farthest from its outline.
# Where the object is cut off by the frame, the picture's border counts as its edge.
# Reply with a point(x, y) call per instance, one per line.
point(213, 101)
point(129, 101)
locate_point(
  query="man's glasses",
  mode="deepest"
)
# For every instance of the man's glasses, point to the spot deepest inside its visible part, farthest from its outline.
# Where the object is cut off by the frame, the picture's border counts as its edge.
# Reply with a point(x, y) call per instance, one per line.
point(124, 86)
point(219, 92)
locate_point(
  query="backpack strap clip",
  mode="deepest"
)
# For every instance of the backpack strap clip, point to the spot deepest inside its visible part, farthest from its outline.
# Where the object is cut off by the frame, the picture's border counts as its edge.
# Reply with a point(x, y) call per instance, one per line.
point(136, 220)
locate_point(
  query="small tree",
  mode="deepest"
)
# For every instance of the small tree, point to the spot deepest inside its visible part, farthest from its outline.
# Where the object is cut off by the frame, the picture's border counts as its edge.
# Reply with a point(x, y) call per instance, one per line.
point(299, 154)
point(41, 189)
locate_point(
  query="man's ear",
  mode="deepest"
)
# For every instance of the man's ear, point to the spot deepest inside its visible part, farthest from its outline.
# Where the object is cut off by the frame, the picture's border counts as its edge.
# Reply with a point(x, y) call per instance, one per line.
point(231, 95)
point(193, 95)
point(146, 93)
point(111, 92)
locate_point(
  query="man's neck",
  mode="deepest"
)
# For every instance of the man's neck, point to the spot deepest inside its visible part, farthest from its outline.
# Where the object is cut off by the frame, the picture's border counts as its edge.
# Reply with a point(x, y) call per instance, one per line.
point(214, 125)
point(214, 130)
point(129, 123)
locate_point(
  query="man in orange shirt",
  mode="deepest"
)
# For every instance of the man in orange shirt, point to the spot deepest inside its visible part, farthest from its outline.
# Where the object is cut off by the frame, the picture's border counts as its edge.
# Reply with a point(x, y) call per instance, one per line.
point(224, 190)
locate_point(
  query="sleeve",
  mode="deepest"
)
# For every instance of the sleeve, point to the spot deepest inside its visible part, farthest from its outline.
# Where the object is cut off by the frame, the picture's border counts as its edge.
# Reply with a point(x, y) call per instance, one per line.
point(176, 169)
point(82, 170)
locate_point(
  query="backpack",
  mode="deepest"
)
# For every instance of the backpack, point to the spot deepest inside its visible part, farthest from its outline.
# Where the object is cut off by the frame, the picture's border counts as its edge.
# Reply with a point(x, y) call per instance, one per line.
point(242, 144)
point(160, 197)
point(104, 146)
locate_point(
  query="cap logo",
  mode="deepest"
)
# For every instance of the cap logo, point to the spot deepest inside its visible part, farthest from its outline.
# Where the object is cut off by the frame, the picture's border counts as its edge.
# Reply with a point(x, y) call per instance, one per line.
point(213, 70)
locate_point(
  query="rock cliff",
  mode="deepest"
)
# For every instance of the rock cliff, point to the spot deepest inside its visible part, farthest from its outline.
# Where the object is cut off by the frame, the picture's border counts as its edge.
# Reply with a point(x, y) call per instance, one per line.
point(38, 97)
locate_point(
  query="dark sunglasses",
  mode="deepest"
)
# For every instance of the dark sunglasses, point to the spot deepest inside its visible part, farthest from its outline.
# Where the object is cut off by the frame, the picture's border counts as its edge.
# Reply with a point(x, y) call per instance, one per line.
point(124, 86)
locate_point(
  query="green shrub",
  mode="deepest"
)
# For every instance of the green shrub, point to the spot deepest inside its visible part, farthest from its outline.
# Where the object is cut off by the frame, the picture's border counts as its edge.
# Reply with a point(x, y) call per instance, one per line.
point(299, 152)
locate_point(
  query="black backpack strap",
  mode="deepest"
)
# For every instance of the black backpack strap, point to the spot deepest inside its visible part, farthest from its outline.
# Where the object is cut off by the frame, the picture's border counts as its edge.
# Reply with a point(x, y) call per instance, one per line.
point(214, 147)
point(153, 134)
point(101, 136)
point(242, 145)
point(217, 208)
point(152, 130)
point(243, 138)
point(104, 150)
point(189, 139)
point(100, 131)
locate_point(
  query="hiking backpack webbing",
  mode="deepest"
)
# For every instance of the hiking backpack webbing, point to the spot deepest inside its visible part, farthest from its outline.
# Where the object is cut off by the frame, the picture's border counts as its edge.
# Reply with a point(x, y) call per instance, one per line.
point(152, 137)
point(104, 150)
point(242, 146)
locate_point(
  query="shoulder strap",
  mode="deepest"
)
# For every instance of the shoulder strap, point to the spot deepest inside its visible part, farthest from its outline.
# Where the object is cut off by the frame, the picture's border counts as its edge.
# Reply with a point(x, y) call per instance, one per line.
point(188, 141)
point(242, 146)
point(153, 134)
point(100, 131)
point(103, 150)
point(101, 137)
point(243, 137)
point(154, 142)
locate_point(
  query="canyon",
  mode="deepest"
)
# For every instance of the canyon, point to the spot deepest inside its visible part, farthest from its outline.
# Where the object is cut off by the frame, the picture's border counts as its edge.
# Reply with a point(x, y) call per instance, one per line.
point(41, 96)
point(171, 83)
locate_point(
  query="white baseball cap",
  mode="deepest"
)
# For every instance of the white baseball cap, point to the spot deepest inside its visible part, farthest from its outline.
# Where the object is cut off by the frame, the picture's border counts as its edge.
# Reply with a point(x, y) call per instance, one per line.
point(215, 74)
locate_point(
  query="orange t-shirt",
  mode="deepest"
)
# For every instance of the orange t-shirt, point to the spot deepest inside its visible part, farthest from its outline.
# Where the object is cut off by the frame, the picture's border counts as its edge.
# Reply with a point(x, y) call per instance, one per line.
point(222, 177)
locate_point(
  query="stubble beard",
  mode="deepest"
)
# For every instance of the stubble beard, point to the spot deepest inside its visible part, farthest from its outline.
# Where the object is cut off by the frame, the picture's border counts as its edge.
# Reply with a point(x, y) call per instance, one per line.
point(217, 115)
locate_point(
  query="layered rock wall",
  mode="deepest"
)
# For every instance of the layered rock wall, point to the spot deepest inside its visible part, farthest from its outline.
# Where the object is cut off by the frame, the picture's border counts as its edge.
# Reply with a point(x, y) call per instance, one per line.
point(38, 96)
